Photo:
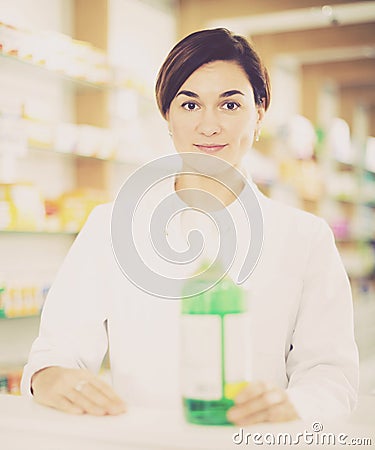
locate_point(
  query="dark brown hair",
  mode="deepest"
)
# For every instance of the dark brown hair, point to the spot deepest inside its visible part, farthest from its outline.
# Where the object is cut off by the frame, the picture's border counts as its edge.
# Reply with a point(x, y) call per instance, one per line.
point(205, 46)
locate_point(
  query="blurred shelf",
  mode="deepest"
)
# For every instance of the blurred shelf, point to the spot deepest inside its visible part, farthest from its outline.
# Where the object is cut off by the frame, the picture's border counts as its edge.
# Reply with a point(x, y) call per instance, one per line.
point(73, 81)
point(39, 232)
point(346, 200)
point(352, 202)
point(78, 83)
point(49, 150)
point(347, 240)
point(352, 240)
point(346, 166)
point(30, 316)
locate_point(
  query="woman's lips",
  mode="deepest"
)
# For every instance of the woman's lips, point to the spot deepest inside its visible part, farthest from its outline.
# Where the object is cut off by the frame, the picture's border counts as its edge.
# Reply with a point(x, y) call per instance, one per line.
point(210, 148)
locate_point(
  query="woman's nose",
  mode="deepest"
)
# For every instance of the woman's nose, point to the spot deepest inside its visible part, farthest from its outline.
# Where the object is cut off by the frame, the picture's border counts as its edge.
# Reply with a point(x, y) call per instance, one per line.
point(209, 124)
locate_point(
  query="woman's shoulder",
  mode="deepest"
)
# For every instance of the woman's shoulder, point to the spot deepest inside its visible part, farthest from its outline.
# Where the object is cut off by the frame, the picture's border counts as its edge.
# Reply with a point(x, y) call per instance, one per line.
point(102, 211)
point(98, 221)
point(100, 214)
point(292, 218)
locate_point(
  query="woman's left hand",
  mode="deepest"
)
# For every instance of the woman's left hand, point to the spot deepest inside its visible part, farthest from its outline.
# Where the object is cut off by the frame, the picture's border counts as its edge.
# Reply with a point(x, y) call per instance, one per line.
point(261, 402)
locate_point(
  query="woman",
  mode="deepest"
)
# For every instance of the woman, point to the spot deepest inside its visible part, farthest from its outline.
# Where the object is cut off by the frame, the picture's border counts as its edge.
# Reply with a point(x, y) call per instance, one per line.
point(213, 91)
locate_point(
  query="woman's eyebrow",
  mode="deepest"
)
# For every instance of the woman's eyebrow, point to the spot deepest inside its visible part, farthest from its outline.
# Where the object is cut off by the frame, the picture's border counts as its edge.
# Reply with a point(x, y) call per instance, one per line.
point(188, 94)
point(223, 95)
point(230, 93)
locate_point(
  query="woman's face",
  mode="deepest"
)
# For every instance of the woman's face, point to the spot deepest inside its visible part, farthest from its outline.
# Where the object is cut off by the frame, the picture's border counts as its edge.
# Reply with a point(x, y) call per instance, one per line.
point(214, 112)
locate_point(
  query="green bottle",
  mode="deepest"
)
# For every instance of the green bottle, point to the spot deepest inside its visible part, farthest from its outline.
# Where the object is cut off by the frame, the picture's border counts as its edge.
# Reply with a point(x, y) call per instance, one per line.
point(214, 358)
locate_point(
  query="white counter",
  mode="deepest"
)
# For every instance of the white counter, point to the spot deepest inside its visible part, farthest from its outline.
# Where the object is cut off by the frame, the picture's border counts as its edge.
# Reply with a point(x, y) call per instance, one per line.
point(25, 425)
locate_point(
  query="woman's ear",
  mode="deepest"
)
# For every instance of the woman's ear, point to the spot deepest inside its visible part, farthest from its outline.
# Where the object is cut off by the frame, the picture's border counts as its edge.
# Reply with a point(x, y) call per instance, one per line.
point(260, 116)
point(260, 112)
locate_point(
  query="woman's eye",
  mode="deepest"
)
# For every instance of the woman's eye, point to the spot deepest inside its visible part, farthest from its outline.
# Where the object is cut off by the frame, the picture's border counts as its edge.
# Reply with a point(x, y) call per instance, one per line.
point(231, 106)
point(190, 106)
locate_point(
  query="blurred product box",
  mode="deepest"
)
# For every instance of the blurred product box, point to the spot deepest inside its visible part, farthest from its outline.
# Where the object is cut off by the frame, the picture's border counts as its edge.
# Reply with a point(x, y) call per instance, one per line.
point(20, 300)
point(343, 186)
point(13, 133)
point(57, 52)
point(96, 142)
point(39, 134)
point(370, 155)
point(358, 261)
point(76, 206)
point(10, 380)
point(65, 137)
point(21, 207)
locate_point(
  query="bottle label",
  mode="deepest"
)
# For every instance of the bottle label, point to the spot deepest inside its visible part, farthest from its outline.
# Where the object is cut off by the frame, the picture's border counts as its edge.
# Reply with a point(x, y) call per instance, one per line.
point(235, 345)
point(236, 355)
point(204, 376)
point(201, 357)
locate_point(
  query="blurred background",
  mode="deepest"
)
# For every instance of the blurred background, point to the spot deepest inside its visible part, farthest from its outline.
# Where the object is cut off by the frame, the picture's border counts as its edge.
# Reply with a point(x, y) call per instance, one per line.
point(77, 115)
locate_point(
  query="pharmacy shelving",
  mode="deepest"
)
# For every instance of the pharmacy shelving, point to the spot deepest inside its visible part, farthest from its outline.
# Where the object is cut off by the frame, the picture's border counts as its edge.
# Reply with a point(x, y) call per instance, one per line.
point(32, 255)
point(357, 244)
point(115, 78)
point(346, 199)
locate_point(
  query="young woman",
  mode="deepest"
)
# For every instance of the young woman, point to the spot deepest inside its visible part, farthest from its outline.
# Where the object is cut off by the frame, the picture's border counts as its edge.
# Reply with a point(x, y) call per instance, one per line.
point(213, 91)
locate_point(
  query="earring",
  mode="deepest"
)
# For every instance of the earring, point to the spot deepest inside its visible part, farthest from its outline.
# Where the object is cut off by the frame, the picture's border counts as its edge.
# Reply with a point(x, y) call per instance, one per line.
point(257, 135)
point(170, 133)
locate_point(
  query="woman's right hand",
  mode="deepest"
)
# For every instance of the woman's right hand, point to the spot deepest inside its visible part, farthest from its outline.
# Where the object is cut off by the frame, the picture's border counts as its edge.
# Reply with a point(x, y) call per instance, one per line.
point(75, 391)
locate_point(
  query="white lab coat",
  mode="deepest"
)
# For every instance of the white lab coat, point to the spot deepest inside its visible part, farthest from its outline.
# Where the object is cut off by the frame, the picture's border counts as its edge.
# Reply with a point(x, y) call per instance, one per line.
point(301, 312)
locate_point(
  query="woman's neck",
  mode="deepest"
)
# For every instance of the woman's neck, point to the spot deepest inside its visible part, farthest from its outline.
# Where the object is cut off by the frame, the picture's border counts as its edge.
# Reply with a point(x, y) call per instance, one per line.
point(209, 192)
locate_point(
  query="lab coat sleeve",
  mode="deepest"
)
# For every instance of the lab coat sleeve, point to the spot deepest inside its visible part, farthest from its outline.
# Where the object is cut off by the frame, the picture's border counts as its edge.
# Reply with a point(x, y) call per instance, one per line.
point(72, 331)
point(322, 365)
